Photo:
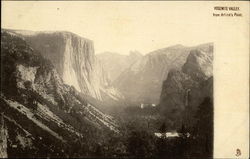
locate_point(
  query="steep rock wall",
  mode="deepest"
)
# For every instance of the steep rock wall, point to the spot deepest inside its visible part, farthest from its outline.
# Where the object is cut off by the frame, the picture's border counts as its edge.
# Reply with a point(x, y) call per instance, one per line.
point(73, 57)
point(184, 90)
point(35, 99)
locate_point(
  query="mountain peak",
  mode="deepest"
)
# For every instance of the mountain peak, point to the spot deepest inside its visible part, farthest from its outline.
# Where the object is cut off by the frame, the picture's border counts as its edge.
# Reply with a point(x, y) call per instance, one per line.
point(135, 54)
point(177, 46)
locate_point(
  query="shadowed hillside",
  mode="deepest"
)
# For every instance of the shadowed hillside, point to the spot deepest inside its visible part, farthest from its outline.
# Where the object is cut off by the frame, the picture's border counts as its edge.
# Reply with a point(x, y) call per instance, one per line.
point(44, 117)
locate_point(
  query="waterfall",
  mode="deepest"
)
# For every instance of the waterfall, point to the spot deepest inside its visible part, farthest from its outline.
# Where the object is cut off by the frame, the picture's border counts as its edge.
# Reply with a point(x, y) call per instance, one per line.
point(187, 97)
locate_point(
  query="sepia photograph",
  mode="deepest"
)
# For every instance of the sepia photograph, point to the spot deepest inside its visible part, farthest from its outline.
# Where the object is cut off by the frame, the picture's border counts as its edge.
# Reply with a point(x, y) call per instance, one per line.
point(116, 79)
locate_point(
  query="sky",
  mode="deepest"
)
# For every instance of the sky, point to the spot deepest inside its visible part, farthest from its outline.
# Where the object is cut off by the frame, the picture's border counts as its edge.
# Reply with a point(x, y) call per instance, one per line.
point(116, 26)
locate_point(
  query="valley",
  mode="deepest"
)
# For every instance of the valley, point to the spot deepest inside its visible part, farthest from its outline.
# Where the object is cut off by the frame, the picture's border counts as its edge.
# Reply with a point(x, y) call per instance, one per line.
point(61, 99)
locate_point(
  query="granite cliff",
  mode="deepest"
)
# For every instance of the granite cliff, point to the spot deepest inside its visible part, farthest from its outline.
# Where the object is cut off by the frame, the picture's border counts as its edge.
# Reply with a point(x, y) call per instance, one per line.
point(44, 116)
point(142, 81)
point(74, 59)
point(185, 89)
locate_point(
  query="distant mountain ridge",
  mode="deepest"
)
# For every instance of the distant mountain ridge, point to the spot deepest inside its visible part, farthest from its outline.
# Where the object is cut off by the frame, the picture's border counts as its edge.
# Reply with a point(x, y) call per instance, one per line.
point(142, 81)
point(114, 64)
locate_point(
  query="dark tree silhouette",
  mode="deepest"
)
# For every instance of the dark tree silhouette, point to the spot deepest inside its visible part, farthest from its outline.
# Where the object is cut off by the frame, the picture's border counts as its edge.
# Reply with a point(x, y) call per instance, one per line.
point(204, 127)
point(140, 144)
point(163, 128)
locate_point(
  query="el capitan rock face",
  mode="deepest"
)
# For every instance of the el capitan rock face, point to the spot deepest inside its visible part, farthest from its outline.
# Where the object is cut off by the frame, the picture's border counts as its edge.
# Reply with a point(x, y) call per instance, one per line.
point(185, 89)
point(73, 57)
point(44, 117)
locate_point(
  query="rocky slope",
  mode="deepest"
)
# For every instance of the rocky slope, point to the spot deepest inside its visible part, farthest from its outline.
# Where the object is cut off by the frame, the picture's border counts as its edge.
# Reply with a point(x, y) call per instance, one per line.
point(44, 117)
point(114, 64)
point(74, 59)
point(3, 138)
point(185, 89)
point(142, 81)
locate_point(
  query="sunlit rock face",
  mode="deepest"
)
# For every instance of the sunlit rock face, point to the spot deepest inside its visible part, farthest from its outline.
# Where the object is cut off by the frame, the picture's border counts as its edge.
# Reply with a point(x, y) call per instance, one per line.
point(73, 57)
point(43, 116)
point(199, 64)
point(185, 89)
